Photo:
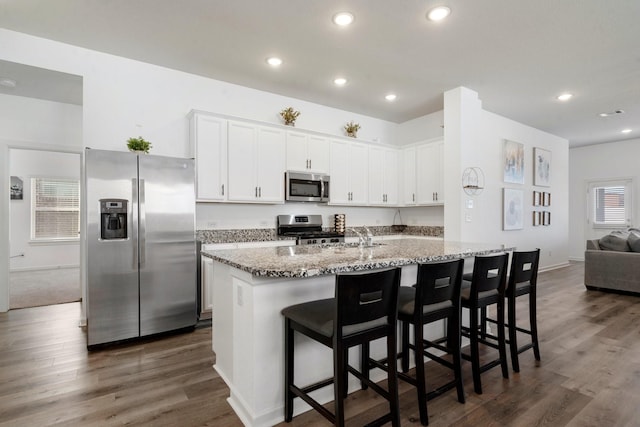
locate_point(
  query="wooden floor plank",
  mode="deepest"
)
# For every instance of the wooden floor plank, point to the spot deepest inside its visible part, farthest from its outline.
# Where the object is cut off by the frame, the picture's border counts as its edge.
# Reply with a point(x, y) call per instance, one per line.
point(589, 374)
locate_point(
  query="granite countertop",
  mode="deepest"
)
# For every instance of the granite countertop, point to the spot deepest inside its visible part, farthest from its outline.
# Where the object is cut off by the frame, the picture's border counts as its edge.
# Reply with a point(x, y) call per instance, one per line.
point(317, 260)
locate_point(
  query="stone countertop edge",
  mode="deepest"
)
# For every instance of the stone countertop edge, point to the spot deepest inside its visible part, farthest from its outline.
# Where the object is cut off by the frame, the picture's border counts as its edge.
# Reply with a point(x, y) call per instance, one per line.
point(260, 262)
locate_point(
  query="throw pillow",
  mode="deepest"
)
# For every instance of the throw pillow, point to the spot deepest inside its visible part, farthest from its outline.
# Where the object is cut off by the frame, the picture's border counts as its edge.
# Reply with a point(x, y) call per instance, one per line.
point(634, 239)
point(615, 241)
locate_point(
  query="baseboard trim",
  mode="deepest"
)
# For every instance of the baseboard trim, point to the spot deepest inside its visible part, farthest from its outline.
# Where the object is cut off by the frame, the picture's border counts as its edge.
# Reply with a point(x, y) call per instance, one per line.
point(45, 267)
point(554, 267)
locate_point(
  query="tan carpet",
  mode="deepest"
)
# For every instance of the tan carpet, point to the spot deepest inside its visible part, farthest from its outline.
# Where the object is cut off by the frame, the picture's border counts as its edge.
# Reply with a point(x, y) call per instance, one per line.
point(43, 287)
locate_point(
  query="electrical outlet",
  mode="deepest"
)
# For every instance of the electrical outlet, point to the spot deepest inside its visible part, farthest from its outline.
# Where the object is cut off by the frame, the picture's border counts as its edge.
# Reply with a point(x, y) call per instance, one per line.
point(467, 218)
point(211, 224)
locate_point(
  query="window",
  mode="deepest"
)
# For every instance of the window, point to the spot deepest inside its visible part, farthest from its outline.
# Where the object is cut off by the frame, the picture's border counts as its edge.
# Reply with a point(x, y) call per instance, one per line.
point(55, 209)
point(610, 203)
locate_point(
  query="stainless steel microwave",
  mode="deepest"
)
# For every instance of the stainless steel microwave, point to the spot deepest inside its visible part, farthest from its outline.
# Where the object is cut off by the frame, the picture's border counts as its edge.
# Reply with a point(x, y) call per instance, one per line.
point(306, 187)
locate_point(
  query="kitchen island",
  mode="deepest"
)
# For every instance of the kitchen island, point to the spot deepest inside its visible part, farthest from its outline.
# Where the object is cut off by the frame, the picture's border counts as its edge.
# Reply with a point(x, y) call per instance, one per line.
point(250, 288)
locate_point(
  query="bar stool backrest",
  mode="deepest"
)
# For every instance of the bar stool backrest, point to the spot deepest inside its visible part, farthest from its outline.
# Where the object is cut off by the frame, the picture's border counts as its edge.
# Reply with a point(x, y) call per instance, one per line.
point(524, 268)
point(438, 283)
point(489, 273)
point(367, 297)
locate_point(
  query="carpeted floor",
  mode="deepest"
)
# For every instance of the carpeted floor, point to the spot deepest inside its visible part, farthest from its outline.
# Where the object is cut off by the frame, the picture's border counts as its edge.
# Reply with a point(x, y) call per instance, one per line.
point(43, 287)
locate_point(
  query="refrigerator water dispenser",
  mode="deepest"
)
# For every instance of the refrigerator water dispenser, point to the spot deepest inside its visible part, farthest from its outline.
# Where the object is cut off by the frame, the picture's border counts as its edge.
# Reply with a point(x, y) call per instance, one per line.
point(113, 219)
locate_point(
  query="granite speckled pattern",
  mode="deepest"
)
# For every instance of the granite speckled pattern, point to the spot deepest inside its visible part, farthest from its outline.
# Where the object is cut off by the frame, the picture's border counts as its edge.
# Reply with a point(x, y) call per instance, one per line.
point(269, 234)
point(315, 260)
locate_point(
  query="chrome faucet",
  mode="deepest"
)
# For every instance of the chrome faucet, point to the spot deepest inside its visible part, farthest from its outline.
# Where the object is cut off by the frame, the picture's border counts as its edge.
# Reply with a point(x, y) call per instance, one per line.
point(360, 237)
point(369, 241)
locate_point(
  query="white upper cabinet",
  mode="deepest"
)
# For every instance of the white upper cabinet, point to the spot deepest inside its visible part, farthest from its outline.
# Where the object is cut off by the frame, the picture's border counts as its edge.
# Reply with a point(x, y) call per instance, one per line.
point(256, 163)
point(429, 173)
point(349, 173)
point(383, 176)
point(307, 153)
point(208, 138)
point(409, 180)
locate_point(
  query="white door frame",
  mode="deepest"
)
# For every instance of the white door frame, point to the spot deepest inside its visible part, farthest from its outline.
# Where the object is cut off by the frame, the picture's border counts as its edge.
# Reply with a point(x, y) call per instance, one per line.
point(5, 180)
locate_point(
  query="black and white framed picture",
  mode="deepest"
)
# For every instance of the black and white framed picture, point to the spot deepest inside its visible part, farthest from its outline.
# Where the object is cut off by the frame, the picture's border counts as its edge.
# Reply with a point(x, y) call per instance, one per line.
point(17, 188)
point(513, 162)
point(541, 167)
point(513, 209)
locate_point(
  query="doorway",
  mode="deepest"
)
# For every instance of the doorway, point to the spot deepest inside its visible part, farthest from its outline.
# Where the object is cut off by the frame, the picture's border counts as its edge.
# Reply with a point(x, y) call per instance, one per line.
point(44, 215)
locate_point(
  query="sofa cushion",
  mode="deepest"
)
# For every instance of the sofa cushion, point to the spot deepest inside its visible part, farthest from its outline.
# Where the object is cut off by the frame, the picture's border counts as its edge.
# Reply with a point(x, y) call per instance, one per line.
point(634, 239)
point(615, 241)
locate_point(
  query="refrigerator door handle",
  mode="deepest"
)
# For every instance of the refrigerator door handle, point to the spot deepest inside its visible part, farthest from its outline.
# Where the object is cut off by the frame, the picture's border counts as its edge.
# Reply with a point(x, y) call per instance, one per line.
point(134, 213)
point(143, 224)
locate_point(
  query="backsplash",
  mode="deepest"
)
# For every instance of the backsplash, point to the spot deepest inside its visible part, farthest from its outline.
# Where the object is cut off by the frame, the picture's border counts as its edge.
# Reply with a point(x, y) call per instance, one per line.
point(267, 234)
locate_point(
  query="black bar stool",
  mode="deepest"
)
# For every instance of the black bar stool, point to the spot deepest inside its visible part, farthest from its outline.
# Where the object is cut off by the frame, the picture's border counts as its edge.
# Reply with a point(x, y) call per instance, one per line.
point(436, 296)
point(523, 280)
point(488, 283)
point(364, 309)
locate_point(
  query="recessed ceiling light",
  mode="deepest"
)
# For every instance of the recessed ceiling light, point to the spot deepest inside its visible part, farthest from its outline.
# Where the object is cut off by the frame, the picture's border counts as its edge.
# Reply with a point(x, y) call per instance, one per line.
point(626, 130)
point(7, 82)
point(565, 97)
point(391, 97)
point(274, 62)
point(343, 18)
point(438, 13)
point(340, 81)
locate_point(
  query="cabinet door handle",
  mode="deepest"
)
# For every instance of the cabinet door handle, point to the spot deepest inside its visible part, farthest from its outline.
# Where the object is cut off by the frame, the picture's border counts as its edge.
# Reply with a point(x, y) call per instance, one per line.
point(309, 163)
point(260, 192)
point(436, 196)
point(256, 192)
point(223, 189)
point(414, 197)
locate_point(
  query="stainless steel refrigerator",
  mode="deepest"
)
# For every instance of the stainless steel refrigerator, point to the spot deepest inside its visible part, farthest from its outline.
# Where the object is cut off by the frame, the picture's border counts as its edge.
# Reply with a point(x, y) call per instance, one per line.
point(141, 249)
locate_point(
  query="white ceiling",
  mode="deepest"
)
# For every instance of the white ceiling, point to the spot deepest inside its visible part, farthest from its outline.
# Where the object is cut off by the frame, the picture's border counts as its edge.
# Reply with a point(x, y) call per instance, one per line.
point(518, 54)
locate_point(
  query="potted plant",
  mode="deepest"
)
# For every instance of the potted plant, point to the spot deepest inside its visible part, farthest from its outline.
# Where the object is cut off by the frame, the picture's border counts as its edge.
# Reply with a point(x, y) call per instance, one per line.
point(352, 129)
point(138, 144)
point(289, 115)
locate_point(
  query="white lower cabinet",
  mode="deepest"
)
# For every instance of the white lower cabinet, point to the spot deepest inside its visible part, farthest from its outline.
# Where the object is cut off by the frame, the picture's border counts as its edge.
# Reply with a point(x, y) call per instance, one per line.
point(206, 287)
point(256, 163)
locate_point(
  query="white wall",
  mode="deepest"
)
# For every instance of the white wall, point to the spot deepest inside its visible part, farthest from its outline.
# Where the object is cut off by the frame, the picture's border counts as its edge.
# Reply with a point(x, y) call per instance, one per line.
point(124, 98)
point(593, 163)
point(474, 137)
point(233, 216)
point(27, 164)
point(420, 129)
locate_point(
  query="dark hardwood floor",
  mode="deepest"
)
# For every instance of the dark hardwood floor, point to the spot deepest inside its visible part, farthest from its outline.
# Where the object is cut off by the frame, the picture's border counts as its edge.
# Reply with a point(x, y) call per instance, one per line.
point(589, 374)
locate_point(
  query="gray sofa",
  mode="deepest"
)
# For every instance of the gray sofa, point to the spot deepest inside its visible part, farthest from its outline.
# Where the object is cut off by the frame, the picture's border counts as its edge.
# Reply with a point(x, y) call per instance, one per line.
point(611, 265)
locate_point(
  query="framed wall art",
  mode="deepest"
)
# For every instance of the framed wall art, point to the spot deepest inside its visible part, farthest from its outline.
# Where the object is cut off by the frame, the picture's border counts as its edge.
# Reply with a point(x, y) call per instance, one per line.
point(546, 218)
point(541, 167)
point(513, 209)
point(546, 199)
point(537, 198)
point(537, 218)
point(513, 162)
point(17, 188)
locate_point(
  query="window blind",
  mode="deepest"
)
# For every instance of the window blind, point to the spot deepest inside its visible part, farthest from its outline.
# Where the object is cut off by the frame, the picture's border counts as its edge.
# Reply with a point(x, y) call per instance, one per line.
point(55, 208)
point(609, 203)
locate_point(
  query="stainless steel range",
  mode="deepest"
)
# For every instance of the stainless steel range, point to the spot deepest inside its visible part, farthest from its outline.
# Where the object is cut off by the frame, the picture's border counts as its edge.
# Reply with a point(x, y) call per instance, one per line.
point(307, 229)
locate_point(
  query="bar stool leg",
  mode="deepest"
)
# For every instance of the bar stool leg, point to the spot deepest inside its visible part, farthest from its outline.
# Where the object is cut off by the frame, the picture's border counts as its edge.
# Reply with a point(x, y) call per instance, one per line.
point(475, 354)
point(339, 388)
point(454, 337)
point(502, 348)
point(405, 347)
point(392, 380)
point(513, 334)
point(288, 374)
point(420, 374)
point(534, 325)
point(364, 363)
